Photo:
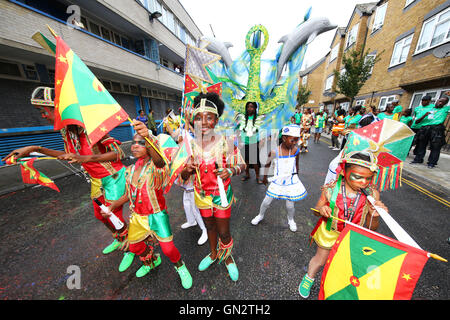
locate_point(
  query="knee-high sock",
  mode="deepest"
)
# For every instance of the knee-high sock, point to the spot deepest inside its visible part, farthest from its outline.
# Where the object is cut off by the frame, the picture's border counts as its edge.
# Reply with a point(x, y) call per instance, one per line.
point(187, 204)
point(169, 249)
point(265, 205)
point(290, 209)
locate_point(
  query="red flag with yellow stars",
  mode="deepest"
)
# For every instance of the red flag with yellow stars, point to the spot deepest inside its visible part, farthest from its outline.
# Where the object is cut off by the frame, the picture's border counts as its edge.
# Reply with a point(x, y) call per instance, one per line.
point(32, 176)
point(365, 265)
point(81, 99)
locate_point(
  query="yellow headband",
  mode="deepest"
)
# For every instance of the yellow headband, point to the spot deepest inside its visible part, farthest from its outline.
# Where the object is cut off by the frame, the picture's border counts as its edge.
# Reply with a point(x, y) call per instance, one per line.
point(204, 108)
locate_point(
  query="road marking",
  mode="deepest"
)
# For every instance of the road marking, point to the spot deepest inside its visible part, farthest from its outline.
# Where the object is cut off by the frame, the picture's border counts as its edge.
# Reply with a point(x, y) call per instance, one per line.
point(419, 188)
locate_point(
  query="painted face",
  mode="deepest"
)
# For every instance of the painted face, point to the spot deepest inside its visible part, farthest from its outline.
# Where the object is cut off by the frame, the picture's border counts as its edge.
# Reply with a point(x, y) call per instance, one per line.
point(138, 148)
point(204, 123)
point(358, 177)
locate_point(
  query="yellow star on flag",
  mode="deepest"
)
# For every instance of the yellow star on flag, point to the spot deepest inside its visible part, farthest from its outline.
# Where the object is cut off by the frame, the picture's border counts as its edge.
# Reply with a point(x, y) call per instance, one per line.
point(406, 276)
point(103, 129)
point(62, 58)
point(119, 118)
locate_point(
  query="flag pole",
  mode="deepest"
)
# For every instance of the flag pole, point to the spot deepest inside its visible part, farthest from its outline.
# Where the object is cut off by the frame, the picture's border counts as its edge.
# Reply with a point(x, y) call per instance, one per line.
point(431, 255)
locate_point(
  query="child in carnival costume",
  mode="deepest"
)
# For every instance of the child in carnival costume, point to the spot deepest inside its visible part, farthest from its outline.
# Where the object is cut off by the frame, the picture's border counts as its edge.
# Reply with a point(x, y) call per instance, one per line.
point(149, 221)
point(101, 161)
point(285, 185)
point(371, 161)
point(215, 159)
point(193, 216)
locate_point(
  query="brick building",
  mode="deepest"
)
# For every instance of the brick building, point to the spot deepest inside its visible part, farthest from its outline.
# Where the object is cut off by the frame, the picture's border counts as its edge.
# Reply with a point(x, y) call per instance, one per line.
point(136, 54)
point(404, 34)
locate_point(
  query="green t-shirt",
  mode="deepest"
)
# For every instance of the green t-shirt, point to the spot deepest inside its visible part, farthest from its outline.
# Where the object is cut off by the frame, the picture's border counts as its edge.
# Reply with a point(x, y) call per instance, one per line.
point(349, 120)
point(397, 109)
point(384, 115)
point(438, 116)
point(419, 111)
point(406, 120)
point(298, 117)
point(320, 122)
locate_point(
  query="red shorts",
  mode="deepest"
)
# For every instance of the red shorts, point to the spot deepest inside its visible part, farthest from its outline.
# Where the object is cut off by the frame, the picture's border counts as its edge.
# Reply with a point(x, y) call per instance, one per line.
point(216, 213)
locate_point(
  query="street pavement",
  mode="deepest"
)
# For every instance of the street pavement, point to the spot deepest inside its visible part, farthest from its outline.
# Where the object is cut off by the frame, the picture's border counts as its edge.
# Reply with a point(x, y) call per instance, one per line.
point(46, 233)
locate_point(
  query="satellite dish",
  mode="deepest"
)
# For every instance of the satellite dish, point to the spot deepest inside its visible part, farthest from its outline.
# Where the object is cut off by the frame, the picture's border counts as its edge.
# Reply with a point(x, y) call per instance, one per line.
point(442, 51)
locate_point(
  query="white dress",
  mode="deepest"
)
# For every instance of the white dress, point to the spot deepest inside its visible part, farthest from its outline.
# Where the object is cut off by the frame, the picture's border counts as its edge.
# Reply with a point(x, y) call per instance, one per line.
point(285, 184)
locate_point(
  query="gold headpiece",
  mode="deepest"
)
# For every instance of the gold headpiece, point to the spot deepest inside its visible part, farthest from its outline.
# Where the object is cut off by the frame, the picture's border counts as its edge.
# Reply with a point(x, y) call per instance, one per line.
point(202, 107)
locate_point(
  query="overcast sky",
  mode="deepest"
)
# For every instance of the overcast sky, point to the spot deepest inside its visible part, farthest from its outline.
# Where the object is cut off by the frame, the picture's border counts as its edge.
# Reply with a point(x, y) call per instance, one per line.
point(231, 20)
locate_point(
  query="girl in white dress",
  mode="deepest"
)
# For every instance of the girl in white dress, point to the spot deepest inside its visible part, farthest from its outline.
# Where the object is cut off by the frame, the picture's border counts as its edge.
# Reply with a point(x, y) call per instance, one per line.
point(285, 184)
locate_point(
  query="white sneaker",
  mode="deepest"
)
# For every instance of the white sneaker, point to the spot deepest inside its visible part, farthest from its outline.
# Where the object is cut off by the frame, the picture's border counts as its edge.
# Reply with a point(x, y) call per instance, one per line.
point(203, 238)
point(188, 225)
point(330, 147)
point(257, 220)
point(292, 225)
point(336, 149)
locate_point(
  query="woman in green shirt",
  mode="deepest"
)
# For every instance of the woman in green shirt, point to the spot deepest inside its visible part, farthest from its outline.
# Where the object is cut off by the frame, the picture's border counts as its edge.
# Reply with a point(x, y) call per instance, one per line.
point(249, 136)
point(406, 117)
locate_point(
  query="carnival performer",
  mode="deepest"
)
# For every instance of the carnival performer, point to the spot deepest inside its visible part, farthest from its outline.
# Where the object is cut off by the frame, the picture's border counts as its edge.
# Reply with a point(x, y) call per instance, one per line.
point(305, 132)
point(149, 221)
point(215, 159)
point(248, 126)
point(285, 184)
point(102, 162)
point(349, 204)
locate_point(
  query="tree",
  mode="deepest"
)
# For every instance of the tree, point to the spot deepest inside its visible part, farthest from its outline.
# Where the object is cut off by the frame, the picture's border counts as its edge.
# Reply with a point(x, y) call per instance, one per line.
point(358, 68)
point(303, 95)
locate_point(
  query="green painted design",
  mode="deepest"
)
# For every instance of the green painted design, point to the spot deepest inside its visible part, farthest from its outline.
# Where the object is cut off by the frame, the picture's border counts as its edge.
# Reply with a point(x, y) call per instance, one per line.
point(253, 91)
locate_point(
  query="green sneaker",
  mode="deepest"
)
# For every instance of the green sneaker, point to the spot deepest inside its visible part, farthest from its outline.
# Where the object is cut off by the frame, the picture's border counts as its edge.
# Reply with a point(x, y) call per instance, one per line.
point(185, 276)
point(305, 286)
point(233, 270)
point(205, 263)
point(146, 269)
point(112, 247)
point(126, 261)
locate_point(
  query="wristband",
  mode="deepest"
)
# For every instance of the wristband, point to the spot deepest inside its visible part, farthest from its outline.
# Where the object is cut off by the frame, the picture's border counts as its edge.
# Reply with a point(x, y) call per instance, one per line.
point(231, 172)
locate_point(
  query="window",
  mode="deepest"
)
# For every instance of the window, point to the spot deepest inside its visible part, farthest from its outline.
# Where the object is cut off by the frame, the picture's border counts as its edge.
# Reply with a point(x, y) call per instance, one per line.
point(51, 75)
point(351, 38)
point(10, 69)
point(116, 86)
point(329, 82)
point(30, 72)
point(94, 28)
point(360, 102)
point(408, 2)
point(334, 52)
point(379, 17)
point(164, 62)
point(384, 101)
point(345, 105)
point(435, 31)
point(107, 84)
point(434, 93)
point(401, 50)
point(106, 34)
point(372, 57)
point(304, 80)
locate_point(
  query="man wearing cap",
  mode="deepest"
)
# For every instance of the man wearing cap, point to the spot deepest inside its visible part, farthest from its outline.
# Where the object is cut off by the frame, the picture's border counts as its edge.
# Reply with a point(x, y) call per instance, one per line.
point(433, 132)
point(419, 126)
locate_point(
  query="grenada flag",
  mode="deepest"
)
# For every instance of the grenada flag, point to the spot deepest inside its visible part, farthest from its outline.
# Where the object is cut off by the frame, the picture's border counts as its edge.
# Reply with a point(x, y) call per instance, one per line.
point(32, 176)
point(81, 99)
point(365, 265)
